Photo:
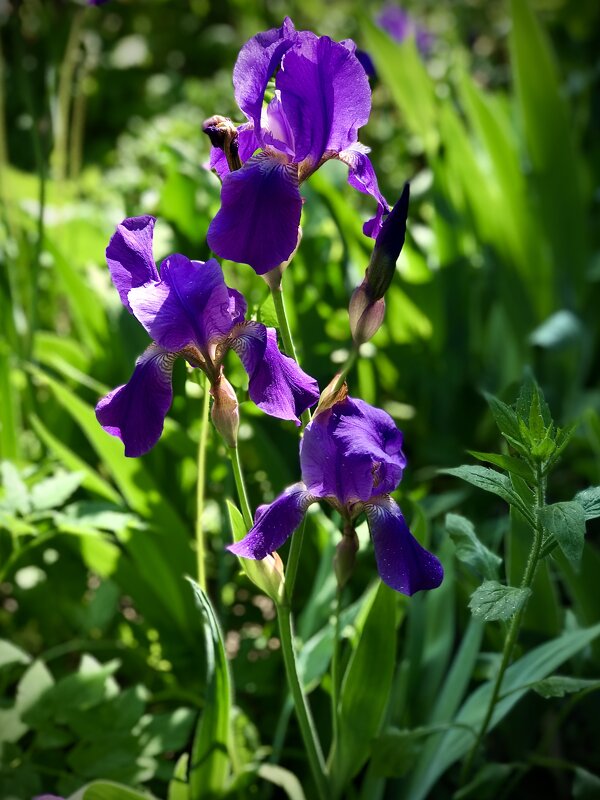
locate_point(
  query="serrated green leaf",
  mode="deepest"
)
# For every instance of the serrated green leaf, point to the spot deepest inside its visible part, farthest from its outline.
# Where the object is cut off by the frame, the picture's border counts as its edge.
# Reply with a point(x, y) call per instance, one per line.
point(107, 790)
point(508, 463)
point(55, 491)
point(589, 500)
point(493, 601)
point(566, 523)
point(210, 763)
point(469, 549)
point(560, 685)
point(505, 417)
point(531, 407)
point(490, 481)
point(16, 494)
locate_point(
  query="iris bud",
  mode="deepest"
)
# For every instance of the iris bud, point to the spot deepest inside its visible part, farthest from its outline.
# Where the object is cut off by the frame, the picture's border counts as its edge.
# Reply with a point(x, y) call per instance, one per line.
point(366, 315)
point(225, 411)
point(388, 245)
point(345, 556)
point(223, 134)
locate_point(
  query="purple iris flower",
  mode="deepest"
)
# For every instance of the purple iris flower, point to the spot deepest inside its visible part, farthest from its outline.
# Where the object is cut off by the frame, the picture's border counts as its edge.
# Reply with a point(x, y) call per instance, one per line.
point(351, 456)
point(400, 25)
point(321, 99)
point(189, 311)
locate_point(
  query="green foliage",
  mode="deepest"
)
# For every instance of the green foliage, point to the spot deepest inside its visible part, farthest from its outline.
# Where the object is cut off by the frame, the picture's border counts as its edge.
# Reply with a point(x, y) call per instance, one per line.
point(469, 549)
point(492, 601)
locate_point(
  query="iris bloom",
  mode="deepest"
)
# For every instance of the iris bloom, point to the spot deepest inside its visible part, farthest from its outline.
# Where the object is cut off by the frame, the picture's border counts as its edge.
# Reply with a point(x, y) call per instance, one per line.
point(321, 99)
point(400, 25)
point(351, 457)
point(189, 311)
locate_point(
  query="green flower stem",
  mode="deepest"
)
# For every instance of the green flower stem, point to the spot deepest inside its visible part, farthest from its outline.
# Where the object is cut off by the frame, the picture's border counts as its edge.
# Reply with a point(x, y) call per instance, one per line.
point(65, 91)
point(303, 715)
point(240, 485)
point(336, 667)
point(515, 625)
point(200, 487)
point(286, 335)
point(348, 364)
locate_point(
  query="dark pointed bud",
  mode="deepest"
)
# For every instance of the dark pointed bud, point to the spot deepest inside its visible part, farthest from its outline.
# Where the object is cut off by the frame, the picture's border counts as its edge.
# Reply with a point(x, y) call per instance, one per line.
point(225, 411)
point(223, 134)
point(366, 315)
point(388, 245)
point(345, 556)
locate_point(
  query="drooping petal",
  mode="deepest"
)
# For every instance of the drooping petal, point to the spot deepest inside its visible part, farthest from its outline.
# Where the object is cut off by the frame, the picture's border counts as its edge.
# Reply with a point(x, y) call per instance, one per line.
point(402, 562)
point(257, 61)
point(362, 176)
point(136, 411)
point(191, 303)
point(325, 95)
point(277, 384)
point(258, 221)
point(129, 256)
point(351, 452)
point(275, 524)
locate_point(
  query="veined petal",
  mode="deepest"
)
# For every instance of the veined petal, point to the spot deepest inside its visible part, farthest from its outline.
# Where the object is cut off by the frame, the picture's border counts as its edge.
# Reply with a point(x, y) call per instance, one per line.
point(277, 384)
point(257, 61)
point(325, 95)
point(129, 256)
point(275, 524)
point(136, 411)
point(191, 303)
point(402, 562)
point(258, 221)
point(362, 177)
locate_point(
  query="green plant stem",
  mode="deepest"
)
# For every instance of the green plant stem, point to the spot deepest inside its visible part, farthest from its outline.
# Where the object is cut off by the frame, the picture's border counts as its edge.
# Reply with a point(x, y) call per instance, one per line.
point(303, 715)
point(286, 335)
point(240, 485)
point(348, 364)
point(200, 487)
point(65, 90)
point(336, 667)
point(515, 625)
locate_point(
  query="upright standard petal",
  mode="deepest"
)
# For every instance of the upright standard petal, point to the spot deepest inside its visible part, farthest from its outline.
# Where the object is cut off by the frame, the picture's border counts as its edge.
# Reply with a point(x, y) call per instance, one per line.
point(325, 96)
point(401, 561)
point(129, 256)
point(277, 384)
point(136, 411)
point(362, 176)
point(259, 217)
point(257, 61)
point(275, 524)
point(191, 303)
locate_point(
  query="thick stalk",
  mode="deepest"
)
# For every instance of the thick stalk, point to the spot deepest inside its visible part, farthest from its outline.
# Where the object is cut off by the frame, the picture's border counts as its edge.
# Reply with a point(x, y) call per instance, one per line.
point(240, 486)
point(515, 625)
point(303, 715)
point(200, 487)
point(336, 668)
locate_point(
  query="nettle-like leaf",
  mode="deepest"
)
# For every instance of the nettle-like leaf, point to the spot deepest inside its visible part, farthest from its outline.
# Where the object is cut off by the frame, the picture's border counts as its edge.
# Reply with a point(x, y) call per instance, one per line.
point(469, 549)
point(492, 601)
point(54, 492)
point(16, 495)
point(560, 685)
point(589, 500)
point(566, 523)
point(490, 481)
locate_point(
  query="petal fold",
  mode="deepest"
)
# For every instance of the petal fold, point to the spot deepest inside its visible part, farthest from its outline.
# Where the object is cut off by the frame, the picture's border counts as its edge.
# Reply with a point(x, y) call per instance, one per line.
point(362, 176)
point(136, 411)
point(129, 255)
point(259, 217)
point(277, 384)
point(275, 524)
point(402, 562)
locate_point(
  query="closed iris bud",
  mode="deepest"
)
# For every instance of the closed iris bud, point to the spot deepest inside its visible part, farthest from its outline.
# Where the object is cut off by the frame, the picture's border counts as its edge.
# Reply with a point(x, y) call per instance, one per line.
point(388, 245)
point(223, 134)
point(225, 411)
point(345, 556)
point(366, 315)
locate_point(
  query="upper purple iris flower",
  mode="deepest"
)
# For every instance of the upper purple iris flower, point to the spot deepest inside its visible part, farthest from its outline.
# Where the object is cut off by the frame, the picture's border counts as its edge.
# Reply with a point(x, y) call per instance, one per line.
point(400, 25)
point(321, 99)
point(351, 456)
point(189, 311)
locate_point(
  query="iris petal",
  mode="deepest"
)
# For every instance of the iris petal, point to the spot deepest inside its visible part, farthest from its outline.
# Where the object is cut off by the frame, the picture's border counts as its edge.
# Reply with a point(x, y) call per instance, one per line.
point(136, 411)
point(402, 562)
point(275, 524)
point(259, 217)
point(362, 176)
point(129, 256)
point(277, 384)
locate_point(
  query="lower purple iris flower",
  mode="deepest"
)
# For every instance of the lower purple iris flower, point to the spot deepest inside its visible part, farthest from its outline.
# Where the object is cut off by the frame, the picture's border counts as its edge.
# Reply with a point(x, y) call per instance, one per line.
point(400, 25)
point(351, 457)
point(189, 312)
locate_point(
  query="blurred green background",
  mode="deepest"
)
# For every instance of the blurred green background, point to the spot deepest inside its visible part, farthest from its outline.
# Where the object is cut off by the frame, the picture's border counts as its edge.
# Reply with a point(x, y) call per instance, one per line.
point(100, 118)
